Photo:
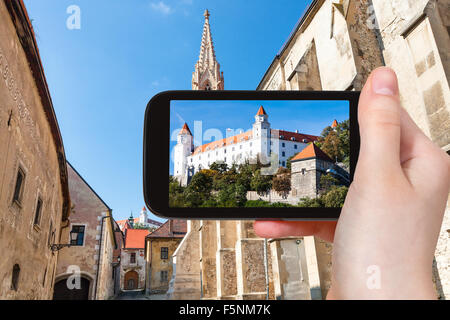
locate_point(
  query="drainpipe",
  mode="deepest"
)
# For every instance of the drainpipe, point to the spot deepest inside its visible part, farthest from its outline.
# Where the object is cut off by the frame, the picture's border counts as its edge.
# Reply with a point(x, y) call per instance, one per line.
point(99, 253)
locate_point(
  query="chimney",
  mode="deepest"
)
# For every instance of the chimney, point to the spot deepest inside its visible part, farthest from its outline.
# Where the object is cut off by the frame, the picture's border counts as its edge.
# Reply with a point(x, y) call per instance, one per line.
point(171, 227)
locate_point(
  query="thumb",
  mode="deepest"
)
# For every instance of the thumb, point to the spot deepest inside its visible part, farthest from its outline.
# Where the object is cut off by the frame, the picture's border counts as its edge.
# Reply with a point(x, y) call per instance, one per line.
point(379, 124)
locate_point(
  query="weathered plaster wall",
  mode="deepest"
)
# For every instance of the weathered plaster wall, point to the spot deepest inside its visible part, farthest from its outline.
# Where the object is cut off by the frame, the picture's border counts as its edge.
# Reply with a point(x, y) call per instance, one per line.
point(25, 141)
point(155, 264)
point(138, 266)
point(88, 211)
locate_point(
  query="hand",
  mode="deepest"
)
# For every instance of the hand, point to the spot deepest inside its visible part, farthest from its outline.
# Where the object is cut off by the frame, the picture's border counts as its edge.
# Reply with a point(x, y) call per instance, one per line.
point(393, 212)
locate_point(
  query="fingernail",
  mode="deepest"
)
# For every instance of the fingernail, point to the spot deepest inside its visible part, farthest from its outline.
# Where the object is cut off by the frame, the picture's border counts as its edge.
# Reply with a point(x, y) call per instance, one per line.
point(384, 82)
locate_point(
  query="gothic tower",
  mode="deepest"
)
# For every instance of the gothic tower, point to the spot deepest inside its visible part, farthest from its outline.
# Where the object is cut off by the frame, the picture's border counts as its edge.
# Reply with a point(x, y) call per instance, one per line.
point(207, 74)
point(183, 149)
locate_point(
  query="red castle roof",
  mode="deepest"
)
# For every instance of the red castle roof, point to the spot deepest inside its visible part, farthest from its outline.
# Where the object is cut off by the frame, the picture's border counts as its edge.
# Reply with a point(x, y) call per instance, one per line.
point(261, 111)
point(311, 151)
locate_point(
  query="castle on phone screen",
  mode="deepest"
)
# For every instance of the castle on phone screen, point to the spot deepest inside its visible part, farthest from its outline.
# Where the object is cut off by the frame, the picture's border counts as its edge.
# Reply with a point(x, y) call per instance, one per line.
point(261, 143)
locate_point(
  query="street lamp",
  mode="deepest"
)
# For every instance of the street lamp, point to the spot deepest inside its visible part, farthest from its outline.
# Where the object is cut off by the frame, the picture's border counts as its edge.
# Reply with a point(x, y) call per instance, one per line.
point(73, 242)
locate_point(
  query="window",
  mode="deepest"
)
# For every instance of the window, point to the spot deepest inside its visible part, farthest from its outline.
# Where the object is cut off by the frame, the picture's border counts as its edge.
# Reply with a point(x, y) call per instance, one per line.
point(133, 257)
point(295, 146)
point(18, 190)
point(284, 164)
point(164, 253)
point(283, 144)
point(303, 171)
point(164, 276)
point(283, 154)
point(240, 147)
point(79, 241)
point(15, 277)
point(37, 214)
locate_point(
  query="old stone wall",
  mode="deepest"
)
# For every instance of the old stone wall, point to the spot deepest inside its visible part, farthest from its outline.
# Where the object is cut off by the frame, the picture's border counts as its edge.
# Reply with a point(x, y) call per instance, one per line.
point(26, 144)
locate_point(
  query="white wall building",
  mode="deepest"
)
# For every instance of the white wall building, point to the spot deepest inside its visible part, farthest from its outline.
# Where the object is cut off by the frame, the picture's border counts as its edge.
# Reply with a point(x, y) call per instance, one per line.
point(261, 142)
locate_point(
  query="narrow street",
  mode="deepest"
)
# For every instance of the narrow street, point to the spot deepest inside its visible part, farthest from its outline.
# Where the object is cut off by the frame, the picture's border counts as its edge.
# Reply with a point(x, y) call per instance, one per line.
point(139, 295)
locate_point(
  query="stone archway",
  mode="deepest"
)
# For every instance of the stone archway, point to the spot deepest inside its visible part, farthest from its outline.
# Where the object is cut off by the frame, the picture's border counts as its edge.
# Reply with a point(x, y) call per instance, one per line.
point(131, 280)
point(62, 291)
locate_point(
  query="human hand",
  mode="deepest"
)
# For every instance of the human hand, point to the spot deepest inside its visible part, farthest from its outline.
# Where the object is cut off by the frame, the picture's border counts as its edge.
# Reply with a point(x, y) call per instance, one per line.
point(394, 208)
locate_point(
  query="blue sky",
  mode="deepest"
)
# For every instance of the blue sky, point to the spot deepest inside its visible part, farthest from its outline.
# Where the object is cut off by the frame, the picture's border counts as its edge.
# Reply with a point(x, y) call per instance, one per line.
point(102, 76)
point(308, 117)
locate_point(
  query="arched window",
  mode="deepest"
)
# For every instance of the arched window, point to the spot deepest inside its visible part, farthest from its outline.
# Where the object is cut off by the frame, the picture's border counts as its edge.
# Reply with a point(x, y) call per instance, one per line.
point(15, 277)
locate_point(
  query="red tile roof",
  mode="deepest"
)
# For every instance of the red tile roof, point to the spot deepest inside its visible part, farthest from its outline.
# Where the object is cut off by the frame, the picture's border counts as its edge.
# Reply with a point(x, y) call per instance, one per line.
point(224, 142)
point(335, 124)
point(170, 229)
point(261, 111)
point(311, 151)
point(135, 238)
point(185, 130)
point(299, 137)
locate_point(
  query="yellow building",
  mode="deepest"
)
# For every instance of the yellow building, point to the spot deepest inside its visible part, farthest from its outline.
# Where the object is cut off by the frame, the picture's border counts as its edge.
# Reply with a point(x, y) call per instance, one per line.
point(159, 248)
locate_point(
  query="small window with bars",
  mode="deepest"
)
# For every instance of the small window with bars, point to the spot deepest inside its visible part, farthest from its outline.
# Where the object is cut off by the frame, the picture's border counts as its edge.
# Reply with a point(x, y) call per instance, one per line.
point(164, 253)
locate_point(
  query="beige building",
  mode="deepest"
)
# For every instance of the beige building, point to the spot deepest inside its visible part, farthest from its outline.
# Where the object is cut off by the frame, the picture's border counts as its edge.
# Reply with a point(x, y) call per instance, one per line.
point(159, 248)
point(34, 193)
point(334, 46)
point(92, 233)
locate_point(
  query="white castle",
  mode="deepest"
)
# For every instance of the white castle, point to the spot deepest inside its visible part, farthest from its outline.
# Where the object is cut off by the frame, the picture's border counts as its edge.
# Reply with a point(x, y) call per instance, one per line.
point(261, 142)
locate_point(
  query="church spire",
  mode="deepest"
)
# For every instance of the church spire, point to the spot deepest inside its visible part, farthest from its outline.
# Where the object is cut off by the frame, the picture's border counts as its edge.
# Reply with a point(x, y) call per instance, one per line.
point(207, 74)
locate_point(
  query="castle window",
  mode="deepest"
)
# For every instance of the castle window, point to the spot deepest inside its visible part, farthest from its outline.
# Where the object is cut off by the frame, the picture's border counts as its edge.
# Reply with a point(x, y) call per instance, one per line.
point(164, 253)
point(15, 277)
point(37, 214)
point(251, 144)
point(240, 147)
point(133, 257)
point(303, 171)
point(18, 190)
point(164, 276)
point(295, 146)
point(305, 141)
point(293, 138)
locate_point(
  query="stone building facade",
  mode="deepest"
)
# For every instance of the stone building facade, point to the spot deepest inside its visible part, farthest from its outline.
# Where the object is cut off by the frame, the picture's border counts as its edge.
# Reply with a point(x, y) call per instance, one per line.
point(93, 250)
point(34, 192)
point(409, 36)
point(132, 272)
point(159, 248)
point(334, 46)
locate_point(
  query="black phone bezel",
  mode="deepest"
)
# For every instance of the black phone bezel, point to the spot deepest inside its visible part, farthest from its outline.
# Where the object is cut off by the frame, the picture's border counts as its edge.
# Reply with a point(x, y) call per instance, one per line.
point(157, 142)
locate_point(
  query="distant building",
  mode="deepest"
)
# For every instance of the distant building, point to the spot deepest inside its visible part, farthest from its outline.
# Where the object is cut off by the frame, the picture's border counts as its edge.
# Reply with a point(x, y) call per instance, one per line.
point(143, 221)
point(132, 260)
point(159, 248)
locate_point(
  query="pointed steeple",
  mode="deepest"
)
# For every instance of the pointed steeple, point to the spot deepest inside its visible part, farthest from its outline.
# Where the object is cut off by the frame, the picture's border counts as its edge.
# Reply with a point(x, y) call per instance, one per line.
point(185, 130)
point(261, 111)
point(207, 74)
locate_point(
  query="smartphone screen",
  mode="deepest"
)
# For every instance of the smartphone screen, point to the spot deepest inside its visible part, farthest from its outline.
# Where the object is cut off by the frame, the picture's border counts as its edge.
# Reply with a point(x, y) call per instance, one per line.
point(259, 153)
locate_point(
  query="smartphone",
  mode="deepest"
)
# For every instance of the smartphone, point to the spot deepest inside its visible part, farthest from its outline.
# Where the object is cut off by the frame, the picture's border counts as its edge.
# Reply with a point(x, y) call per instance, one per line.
point(287, 155)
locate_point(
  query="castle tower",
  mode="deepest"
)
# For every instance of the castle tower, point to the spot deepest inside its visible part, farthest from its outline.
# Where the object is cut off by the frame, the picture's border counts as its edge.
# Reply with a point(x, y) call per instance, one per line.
point(183, 149)
point(143, 217)
point(261, 135)
point(207, 74)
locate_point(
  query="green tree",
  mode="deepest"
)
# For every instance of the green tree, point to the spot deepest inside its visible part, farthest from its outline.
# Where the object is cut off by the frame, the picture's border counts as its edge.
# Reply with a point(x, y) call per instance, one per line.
point(326, 182)
point(261, 183)
point(311, 203)
point(200, 188)
point(281, 183)
point(335, 198)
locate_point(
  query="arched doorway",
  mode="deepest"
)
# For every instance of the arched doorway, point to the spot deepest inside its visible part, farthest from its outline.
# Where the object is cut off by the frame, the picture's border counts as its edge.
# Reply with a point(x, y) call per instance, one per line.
point(131, 280)
point(62, 292)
